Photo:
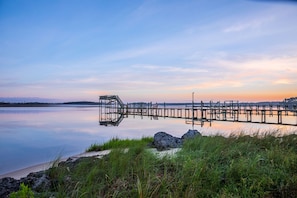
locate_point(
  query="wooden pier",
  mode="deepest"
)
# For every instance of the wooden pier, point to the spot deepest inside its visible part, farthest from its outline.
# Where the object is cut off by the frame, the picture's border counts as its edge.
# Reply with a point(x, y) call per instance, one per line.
point(112, 111)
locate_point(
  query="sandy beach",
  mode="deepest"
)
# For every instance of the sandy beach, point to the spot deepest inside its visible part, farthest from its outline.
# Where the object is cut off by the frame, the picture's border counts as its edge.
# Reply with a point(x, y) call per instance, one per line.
point(18, 174)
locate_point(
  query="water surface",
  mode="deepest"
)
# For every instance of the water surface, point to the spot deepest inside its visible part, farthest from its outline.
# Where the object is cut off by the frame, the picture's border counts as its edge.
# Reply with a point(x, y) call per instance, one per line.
point(33, 135)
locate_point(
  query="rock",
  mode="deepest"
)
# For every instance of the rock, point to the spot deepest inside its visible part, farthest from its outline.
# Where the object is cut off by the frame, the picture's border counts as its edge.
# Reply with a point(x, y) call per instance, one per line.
point(39, 181)
point(8, 185)
point(41, 184)
point(191, 134)
point(164, 141)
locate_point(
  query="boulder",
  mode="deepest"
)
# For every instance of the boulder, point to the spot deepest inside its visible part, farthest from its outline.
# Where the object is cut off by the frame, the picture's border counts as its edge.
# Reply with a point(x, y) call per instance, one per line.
point(191, 134)
point(8, 185)
point(164, 141)
point(38, 182)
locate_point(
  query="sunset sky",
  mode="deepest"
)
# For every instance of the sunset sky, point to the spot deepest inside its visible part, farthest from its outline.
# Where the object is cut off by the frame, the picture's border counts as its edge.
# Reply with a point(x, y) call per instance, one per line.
point(154, 50)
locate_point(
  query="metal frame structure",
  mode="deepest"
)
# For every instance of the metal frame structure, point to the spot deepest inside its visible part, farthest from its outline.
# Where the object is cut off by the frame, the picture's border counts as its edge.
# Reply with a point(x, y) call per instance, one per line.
point(110, 110)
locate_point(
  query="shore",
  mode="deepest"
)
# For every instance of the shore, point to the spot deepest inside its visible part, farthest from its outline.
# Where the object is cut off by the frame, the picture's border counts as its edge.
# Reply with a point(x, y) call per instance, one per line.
point(18, 174)
point(207, 166)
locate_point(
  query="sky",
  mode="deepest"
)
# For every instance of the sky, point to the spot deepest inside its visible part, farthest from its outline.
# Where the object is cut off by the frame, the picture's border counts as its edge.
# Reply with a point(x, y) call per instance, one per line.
point(148, 50)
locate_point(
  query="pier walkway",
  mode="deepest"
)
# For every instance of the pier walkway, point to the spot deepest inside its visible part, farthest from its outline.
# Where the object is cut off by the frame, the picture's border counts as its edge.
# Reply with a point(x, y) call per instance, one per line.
point(112, 111)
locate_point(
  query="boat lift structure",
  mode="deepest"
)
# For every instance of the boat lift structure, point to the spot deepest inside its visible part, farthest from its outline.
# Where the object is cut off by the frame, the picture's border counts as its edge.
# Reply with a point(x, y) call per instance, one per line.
point(110, 110)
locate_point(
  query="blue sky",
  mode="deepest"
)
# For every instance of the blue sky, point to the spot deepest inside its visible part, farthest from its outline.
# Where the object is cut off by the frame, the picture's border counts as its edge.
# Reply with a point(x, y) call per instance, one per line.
point(155, 50)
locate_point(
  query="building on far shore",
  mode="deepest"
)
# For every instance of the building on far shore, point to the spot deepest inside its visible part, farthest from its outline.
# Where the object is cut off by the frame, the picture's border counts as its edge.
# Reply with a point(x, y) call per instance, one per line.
point(290, 100)
point(291, 103)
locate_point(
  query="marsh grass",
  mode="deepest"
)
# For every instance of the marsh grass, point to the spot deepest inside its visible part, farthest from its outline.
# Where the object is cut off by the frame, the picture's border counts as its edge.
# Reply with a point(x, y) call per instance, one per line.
point(116, 143)
point(214, 166)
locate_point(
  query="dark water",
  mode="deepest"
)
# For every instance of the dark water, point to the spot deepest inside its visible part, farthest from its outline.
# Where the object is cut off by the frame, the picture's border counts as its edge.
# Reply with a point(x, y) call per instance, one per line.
point(33, 135)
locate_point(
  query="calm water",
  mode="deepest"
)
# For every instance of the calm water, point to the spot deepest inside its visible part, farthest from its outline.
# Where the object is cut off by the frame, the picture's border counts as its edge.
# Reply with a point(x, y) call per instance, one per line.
point(33, 135)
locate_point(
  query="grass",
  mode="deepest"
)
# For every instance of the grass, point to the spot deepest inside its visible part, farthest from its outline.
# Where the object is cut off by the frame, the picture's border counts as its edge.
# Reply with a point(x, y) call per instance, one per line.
point(242, 166)
point(24, 192)
point(116, 143)
point(215, 166)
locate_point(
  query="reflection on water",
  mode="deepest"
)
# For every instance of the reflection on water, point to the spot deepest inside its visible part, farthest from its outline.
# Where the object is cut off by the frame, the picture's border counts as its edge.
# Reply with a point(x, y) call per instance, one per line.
point(32, 135)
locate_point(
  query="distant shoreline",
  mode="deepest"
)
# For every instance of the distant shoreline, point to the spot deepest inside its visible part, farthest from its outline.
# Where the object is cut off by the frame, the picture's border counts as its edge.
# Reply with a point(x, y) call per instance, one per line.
point(37, 104)
point(88, 103)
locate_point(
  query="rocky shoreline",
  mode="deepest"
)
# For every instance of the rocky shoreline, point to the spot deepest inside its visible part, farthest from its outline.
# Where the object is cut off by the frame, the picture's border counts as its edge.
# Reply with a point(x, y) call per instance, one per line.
point(41, 182)
point(38, 182)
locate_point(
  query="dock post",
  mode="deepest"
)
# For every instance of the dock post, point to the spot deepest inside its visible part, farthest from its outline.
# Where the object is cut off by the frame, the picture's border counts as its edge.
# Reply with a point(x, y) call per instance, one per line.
point(201, 109)
point(192, 109)
point(263, 115)
point(236, 115)
point(270, 109)
point(224, 113)
point(249, 115)
point(286, 110)
point(210, 110)
point(279, 116)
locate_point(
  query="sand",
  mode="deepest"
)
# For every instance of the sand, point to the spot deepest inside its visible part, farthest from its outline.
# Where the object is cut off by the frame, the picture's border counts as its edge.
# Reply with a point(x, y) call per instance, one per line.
point(99, 154)
point(18, 174)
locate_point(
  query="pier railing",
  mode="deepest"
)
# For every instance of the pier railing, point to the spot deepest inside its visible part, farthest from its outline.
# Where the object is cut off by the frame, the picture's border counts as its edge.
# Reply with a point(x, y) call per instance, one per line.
point(112, 111)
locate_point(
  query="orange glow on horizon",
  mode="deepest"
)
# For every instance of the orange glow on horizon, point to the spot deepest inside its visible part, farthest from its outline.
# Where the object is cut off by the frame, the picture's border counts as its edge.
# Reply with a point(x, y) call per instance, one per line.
point(241, 97)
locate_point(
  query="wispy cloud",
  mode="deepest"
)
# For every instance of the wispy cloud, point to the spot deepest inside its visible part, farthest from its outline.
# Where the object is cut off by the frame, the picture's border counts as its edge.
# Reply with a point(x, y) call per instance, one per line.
point(144, 10)
point(172, 69)
point(284, 81)
point(251, 72)
point(247, 24)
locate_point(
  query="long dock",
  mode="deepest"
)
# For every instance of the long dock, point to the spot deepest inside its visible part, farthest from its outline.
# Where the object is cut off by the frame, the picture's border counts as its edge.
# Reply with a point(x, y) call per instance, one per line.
point(112, 111)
